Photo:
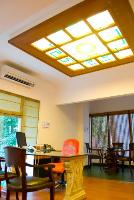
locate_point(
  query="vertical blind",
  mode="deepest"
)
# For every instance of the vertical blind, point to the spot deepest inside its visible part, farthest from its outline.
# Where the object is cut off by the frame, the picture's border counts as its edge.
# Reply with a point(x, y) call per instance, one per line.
point(25, 108)
point(119, 130)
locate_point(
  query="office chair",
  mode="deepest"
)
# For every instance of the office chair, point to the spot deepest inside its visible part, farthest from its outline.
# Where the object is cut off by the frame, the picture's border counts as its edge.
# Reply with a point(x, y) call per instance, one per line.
point(15, 157)
point(21, 139)
point(70, 147)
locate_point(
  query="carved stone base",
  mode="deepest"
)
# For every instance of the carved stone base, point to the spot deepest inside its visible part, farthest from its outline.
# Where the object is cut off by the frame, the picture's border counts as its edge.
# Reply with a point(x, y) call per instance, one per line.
point(74, 173)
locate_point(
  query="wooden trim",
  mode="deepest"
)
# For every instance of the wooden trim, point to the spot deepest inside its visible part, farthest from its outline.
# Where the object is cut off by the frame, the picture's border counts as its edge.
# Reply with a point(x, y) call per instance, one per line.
point(8, 113)
point(108, 131)
point(130, 127)
point(112, 113)
point(91, 131)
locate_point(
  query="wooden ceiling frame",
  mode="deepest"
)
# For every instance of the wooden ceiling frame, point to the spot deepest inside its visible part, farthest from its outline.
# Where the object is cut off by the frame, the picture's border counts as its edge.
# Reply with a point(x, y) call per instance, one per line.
point(120, 10)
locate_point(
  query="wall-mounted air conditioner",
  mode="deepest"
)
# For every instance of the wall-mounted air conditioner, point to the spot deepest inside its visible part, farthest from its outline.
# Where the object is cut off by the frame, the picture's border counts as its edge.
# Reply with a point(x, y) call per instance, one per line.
point(16, 76)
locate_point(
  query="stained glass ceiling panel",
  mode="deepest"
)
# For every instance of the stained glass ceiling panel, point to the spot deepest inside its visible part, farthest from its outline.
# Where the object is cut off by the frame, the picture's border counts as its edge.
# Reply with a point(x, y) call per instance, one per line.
point(110, 34)
point(60, 37)
point(84, 38)
point(42, 44)
point(124, 53)
point(101, 20)
point(79, 29)
point(66, 61)
point(56, 53)
point(106, 58)
point(76, 67)
point(118, 45)
point(85, 48)
point(90, 63)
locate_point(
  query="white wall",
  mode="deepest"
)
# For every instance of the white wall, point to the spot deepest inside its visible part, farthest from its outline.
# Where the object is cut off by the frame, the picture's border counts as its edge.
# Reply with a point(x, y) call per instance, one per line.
point(112, 104)
point(111, 82)
point(62, 119)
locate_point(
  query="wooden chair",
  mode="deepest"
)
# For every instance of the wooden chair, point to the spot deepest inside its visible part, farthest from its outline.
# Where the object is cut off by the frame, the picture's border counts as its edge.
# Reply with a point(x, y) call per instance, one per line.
point(123, 155)
point(94, 153)
point(118, 148)
point(15, 157)
point(2, 173)
point(131, 155)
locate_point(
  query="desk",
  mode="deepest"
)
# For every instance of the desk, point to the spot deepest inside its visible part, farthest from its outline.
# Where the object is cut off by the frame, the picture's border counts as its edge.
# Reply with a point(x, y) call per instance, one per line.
point(74, 172)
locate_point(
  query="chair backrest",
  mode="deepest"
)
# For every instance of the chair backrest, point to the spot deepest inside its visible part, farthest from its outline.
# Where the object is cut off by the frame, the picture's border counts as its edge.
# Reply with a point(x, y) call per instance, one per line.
point(118, 146)
point(131, 146)
point(70, 147)
point(87, 147)
point(15, 157)
point(131, 150)
point(21, 139)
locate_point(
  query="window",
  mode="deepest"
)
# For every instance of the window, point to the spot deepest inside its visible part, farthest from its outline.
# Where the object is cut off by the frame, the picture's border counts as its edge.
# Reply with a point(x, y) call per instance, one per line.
point(8, 127)
point(116, 127)
point(99, 132)
point(18, 113)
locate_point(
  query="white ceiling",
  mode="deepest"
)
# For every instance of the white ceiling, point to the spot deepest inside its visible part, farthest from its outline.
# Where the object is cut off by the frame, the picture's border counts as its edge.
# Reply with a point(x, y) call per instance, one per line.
point(16, 16)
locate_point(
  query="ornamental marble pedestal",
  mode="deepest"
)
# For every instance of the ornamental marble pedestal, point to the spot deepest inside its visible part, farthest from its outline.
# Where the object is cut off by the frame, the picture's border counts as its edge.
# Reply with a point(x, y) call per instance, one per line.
point(74, 173)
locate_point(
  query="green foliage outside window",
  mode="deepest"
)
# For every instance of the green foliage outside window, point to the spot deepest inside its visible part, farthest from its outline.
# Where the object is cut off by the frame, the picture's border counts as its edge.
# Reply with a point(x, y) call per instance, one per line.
point(99, 132)
point(8, 127)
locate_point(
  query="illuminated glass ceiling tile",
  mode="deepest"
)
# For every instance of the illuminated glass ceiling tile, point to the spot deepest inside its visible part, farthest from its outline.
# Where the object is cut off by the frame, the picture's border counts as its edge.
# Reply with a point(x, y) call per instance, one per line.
point(66, 61)
point(79, 29)
point(124, 53)
point(110, 34)
point(42, 44)
point(101, 20)
point(85, 48)
point(76, 67)
point(60, 37)
point(118, 45)
point(56, 53)
point(90, 63)
point(106, 58)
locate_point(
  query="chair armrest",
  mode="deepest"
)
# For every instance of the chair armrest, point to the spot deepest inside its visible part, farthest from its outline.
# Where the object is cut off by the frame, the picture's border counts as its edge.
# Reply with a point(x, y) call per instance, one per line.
point(2, 159)
point(99, 151)
point(49, 166)
point(46, 167)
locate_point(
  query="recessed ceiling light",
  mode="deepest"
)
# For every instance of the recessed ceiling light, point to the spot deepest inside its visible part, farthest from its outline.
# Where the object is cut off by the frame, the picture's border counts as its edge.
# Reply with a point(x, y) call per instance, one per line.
point(79, 29)
point(85, 48)
point(42, 44)
point(56, 53)
point(110, 34)
point(59, 37)
point(124, 53)
point(106, 58)
point(101, 20)
point(75, 67)
point(84, 38)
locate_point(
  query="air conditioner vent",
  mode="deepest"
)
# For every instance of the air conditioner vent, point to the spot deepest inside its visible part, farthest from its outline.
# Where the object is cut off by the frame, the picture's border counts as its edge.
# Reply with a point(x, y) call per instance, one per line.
point(11, 77)
point(16, 76)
